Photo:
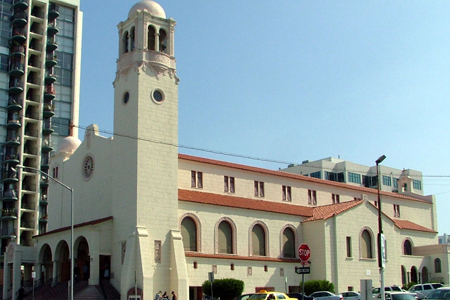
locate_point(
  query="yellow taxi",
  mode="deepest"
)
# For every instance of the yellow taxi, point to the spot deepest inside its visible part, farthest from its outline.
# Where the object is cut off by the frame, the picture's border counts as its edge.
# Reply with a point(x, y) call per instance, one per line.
point(266, 295)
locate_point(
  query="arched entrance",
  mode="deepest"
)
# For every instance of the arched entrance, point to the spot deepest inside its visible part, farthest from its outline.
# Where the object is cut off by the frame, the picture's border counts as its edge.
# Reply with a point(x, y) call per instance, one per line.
point(414, 277)
point(82, 263)
point(425, 275)
point(46, 262)
point(63, 258)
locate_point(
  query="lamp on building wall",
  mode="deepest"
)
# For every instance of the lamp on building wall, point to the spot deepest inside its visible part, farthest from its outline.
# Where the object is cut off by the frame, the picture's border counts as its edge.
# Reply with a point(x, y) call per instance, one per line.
point(71, 220)
point(381, 239)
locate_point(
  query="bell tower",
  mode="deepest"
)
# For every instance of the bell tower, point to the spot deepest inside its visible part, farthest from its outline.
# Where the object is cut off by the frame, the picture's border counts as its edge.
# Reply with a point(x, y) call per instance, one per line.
point(146, 154)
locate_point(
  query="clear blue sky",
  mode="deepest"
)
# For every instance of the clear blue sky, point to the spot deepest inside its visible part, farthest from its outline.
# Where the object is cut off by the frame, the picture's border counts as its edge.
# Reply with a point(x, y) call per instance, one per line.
point(293, 80)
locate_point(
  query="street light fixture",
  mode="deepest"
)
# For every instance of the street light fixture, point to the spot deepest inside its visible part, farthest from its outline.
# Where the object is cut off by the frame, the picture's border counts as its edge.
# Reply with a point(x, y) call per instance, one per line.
point(71, 220)
point(381, 239)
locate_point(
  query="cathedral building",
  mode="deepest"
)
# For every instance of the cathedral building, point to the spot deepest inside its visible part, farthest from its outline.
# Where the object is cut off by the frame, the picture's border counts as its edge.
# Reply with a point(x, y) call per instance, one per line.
point(150, 219)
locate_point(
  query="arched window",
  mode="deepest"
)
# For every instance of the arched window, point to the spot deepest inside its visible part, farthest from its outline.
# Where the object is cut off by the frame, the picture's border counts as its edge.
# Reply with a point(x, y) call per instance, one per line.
point(125, 42)
point(162, 40)
point(189, 234)
point(288, 243)
point(151, 38)
point(366, 244)
point(225, 238)
point(407, 248)
point(132, 38)
point(437, 265)
point(258, 240)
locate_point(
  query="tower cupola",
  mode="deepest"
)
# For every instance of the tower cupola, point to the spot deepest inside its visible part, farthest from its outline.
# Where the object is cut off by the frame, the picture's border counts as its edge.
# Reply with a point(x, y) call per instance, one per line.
point(147, 39)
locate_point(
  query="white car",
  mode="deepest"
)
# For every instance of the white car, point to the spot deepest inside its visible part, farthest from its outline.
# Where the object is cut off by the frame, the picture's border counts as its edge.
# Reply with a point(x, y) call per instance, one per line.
point(325, 295)
point(351, 295)
point(400, 296)
point(388, 289)
point(423, 290)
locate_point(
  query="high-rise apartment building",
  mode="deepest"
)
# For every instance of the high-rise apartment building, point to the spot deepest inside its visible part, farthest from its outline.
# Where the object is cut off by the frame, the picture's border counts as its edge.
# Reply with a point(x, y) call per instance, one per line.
point(40, 58)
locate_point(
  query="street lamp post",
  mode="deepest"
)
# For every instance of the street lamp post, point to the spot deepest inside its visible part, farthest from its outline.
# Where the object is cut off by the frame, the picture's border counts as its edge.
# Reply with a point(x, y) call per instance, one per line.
point(71, 220)
point(381, 248)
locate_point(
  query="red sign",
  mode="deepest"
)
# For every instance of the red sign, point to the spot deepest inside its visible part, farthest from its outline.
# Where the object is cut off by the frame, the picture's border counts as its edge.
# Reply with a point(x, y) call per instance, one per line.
point(304, 252)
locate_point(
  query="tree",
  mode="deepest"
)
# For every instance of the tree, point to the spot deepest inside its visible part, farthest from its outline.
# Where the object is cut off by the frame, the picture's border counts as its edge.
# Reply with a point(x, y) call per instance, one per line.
point(226, 289)
point(317, 285)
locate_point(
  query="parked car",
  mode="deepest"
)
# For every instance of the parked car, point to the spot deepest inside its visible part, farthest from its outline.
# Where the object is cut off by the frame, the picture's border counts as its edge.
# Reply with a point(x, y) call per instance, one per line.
point(389, 289)
point(442, 293)
point(423, 290)
point(298, 296)
point(266, 295)
point(243, 296)
point(325, 295)
point(400, 296)
point(350, 295)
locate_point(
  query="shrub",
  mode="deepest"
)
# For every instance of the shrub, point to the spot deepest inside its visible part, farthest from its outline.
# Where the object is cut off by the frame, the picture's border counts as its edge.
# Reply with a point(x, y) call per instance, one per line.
point(408, 285)
point(317, 285)
point(226, 289)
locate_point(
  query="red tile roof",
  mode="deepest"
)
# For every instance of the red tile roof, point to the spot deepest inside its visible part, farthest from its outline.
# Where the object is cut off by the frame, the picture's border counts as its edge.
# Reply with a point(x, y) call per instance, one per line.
point(311, 213)
point(231, 257)
point(327, 211)
point(404, 224)
point(93, 222)
point(244, 203)
point(295, 176)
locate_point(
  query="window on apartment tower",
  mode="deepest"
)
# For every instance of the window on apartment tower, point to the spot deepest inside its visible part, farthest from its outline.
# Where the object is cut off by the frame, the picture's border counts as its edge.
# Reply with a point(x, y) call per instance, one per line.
point(287, 196)
point(55, 172)
point(417, 184)
point(317, 174)
point(335, 198)
point(387, 180)
point(353, 177)
point(228, 184)
point(259, 189)
point(395, 183)
point(397, 210)
point(197, 179)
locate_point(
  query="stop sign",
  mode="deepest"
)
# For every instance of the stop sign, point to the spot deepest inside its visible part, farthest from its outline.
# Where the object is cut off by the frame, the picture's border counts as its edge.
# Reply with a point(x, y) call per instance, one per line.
point(304, 252)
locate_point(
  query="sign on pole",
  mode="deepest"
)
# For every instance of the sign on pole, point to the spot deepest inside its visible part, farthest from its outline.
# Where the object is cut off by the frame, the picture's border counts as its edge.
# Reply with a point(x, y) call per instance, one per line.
point(304, 252)
point(302, 270)
point(383, 250)
point(211, 276)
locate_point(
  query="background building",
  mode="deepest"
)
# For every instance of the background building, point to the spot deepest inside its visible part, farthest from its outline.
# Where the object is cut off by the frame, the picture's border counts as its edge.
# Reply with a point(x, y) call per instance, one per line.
point(444, 239)
point(336, 169)
point(40, 54)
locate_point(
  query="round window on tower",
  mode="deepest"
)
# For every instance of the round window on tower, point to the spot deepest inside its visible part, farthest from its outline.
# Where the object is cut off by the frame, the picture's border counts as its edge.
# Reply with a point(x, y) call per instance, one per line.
point(126, 97)
point(158, 96)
